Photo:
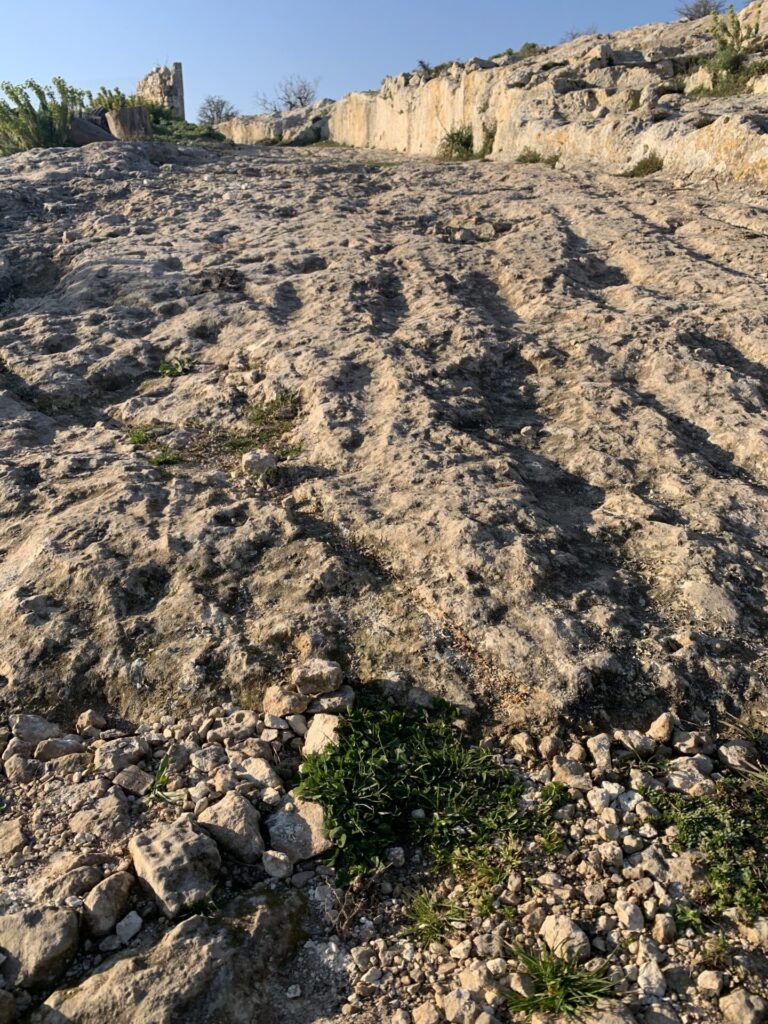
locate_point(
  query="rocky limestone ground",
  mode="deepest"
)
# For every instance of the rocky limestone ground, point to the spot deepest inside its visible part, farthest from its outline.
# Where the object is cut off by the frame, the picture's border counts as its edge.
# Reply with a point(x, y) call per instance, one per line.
point(497, 431)
point(279, 424)
point(166, 872)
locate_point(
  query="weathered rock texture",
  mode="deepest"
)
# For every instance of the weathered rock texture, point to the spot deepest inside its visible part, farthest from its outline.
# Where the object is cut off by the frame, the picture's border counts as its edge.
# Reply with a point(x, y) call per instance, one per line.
point(201, 971)
point(605, 100)
point(164, 86)
point(300, 127)
point(519, 417)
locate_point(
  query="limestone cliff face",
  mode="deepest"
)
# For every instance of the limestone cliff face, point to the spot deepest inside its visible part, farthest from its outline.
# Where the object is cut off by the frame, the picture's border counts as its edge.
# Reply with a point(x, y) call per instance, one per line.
point(607, 100)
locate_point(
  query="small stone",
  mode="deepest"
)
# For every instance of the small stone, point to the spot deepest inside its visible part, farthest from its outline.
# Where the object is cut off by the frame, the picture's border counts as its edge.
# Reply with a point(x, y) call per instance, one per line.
point(459, 1007)
point(564, 938)
point(90, 720)
point(235, 825)
point(283, 702)
point(134, 780)
point(664, 929)
point(600, 749)
point(711, 983)
point(738, 754)
point(317, 676)
point(276, 864)
point(32, 729)
point(293, 992)
point(426, 1013)
point(12, 837)
point(298, 832)
point(297, 724)
point(258, 462)
point(630, 916)
point(130, 926)
point(650, 980)
point(105, 903)
point(662, 728)
point(58, 746)
point(323, 732)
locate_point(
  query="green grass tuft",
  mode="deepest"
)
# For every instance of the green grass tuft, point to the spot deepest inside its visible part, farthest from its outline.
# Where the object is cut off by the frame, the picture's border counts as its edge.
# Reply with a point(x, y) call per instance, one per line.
point(532, 156)
point(651, 164)
point(140, 436)
point(560, 986)
point(457, 145)
point(176, 367)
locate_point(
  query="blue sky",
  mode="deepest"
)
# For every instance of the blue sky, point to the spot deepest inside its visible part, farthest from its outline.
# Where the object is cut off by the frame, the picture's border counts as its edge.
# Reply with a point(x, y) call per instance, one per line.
point(237, 48)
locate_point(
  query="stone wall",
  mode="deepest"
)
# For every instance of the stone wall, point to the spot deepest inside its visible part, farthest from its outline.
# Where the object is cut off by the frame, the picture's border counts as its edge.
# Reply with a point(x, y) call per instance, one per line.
point(164, 86)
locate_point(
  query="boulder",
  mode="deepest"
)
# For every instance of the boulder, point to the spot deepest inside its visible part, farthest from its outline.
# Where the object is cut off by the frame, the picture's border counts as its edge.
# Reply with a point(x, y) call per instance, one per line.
point(129, 123)
point(280, 701)
point(38, 945)
point(234, 823)
point(107, 819)
point(742, 1007)
point(178, 863)
point(83, 132)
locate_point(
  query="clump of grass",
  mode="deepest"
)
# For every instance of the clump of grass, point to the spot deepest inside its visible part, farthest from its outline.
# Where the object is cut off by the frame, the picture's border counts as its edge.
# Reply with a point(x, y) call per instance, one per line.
point(532, 156)
point(176, 367)
point(165, 457)
point(729, 826)
point(560, 986)
point(140, 436)
point(651, 164)
point(430, 919)
point(397, 775)
point(457, 145)
point(526, 50)
point(159, 788)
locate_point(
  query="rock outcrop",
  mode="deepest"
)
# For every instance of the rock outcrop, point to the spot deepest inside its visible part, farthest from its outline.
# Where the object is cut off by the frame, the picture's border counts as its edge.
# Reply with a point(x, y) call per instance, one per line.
point(609, 101)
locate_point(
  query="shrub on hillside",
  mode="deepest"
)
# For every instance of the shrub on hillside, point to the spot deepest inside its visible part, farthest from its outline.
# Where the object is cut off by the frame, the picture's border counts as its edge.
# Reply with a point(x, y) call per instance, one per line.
point(26, 124)
point(214, 109)
point(700, 9)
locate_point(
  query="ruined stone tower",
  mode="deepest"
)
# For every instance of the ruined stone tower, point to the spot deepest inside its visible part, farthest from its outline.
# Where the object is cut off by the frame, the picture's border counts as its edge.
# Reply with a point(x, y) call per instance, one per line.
point(164, 86)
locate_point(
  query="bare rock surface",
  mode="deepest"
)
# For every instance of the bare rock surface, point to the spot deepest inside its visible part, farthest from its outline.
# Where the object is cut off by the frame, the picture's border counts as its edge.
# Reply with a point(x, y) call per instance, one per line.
point(199, 972)
point(527, 467)
point(37, 946)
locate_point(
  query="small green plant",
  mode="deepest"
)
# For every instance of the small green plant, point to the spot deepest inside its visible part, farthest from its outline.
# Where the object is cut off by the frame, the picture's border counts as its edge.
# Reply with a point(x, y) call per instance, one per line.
point(526, 50)
point(651, 164)
point(688, 918)
point(111, 99)
point(430, 919)
point(25, 124)
point(559, 986)
point(734, 42)
point(457, 145)
point(159, 788)
point(398, 775)
point(165, 457)
point(176, 367)
point(729, 826)
point(140, 436)
point(532, 156)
